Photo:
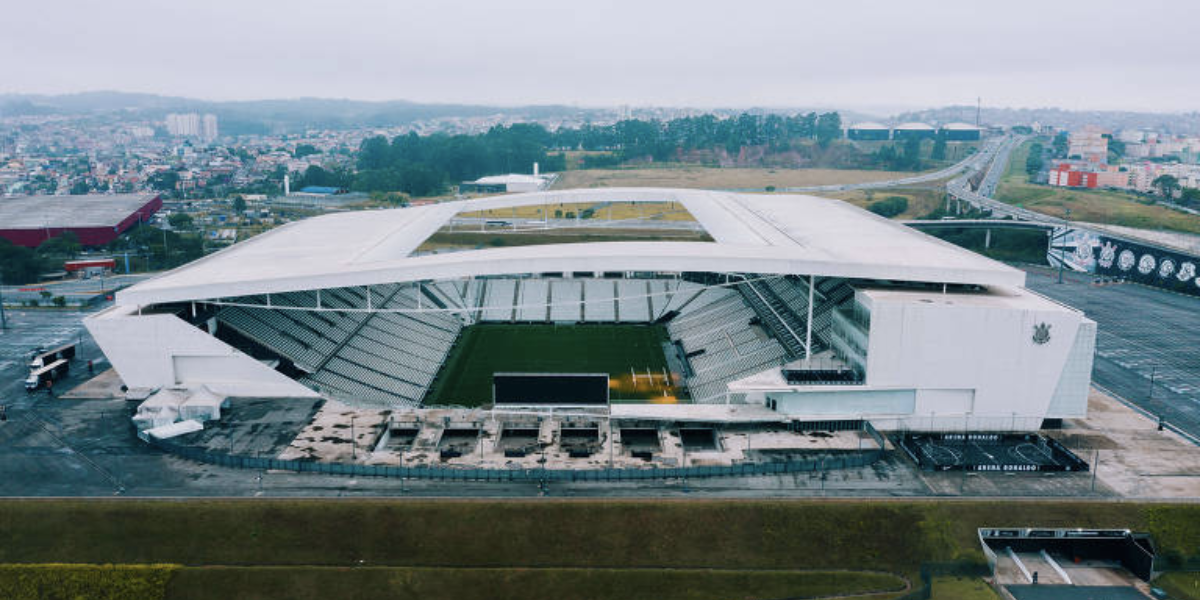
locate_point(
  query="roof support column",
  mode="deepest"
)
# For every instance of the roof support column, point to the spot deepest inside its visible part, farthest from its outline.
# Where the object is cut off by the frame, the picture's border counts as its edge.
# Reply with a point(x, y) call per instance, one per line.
point(369, 298)
point(808, 325)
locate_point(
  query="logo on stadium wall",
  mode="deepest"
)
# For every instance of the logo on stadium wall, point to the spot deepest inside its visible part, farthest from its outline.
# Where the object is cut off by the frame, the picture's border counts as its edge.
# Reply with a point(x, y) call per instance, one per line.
point(1126, 259)
point(1107, 253)
point(1166, 268)
point(1186, 271)
point(1041, 333)
point(1147, 264)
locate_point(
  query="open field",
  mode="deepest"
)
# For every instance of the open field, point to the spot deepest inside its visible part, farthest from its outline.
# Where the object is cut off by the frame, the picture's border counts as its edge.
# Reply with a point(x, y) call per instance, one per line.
point(484, 349)
point(1091, 205)
point(320, 583)
point(1181, 586)
point(962, 588)
point(718, 178)
point(577, 549)
point(90, 582)
point(892, 536)
point(921, 200)
point(641, 211)
point(460, 239)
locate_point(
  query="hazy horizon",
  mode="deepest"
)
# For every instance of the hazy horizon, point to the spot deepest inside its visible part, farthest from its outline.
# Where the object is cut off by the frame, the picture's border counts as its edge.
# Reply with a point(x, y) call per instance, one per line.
point(858, 55)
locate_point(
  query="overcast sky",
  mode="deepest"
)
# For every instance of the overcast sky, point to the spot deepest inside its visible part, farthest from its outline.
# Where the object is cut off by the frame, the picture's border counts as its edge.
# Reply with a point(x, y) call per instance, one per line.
point(1098, 54)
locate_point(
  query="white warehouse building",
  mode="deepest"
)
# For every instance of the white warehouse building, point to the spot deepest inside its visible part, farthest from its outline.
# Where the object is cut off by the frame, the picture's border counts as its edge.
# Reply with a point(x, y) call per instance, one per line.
point(805, 308)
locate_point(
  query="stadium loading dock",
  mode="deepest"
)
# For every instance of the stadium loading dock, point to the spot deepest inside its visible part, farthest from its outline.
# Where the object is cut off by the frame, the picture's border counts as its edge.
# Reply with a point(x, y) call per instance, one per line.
point(1069, 563)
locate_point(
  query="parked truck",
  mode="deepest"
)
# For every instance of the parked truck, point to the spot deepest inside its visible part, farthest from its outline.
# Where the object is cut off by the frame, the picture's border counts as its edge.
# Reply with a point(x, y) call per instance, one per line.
point(43, 376)
point(42, 357)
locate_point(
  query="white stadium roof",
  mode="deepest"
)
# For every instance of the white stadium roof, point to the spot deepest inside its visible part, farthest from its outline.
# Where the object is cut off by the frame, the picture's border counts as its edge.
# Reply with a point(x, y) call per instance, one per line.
point(960, 127)
point(510, 178)
point(752, 233)
point(867, 125)
point(914, 126)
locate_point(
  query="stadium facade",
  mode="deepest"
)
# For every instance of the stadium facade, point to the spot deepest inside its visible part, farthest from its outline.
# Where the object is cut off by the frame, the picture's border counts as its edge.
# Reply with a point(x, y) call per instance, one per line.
point(807, 308)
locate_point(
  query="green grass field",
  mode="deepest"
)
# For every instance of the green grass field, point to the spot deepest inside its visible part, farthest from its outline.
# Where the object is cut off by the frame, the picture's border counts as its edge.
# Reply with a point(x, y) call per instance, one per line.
point(1181, 586)
point(487, 348)
point(661, 549)
point(320, 583)
point(962, 588)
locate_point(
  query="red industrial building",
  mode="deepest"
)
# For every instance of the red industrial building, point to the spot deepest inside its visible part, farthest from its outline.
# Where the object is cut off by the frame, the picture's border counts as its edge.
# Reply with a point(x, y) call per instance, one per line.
point(96, 219)
point(1064, 175)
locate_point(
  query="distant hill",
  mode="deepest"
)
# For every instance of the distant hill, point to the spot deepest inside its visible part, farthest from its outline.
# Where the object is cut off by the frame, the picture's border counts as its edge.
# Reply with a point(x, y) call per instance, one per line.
point(1070, 119)
point(261, 116)
point(298, 114)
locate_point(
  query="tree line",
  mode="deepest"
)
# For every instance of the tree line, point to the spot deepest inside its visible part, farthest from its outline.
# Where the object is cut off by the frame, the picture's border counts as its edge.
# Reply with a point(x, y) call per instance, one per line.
point(427, 165)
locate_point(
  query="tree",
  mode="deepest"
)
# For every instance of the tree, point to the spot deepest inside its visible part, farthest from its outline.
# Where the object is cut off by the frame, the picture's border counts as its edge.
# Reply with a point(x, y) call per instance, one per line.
point(303, 150)
point(181, 221)
point(80, 188)
point(1190, 197)
point(829, 128)
point(239, 204)
point(1061, 144)
point(61, 247)
point(1034, 162)
point(939, 147)
point(912, 154)
point(164, 181)
point(1166, 185)
point(890, 206)
point(18, 264)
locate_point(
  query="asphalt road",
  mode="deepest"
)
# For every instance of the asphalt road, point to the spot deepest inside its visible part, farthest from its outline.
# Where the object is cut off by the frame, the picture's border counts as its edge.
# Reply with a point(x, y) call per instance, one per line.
point(1142, 333)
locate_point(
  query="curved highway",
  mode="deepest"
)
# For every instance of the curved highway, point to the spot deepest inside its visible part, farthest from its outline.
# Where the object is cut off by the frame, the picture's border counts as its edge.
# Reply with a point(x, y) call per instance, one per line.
point(971, 164)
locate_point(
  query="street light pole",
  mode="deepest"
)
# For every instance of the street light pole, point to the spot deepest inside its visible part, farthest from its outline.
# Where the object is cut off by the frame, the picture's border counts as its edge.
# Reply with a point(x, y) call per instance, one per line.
point(1153, 372)
point(3, 317)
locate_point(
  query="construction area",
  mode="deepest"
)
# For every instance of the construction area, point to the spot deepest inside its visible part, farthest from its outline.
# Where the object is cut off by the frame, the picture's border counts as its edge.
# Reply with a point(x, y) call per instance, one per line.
point(483, 439)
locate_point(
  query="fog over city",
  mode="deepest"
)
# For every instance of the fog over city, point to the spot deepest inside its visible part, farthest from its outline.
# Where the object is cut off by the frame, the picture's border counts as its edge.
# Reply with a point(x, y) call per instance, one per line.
point(874, 56)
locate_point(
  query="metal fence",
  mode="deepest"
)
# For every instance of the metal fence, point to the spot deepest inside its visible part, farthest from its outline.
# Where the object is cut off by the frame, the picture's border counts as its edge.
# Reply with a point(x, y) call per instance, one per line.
point(857, 460)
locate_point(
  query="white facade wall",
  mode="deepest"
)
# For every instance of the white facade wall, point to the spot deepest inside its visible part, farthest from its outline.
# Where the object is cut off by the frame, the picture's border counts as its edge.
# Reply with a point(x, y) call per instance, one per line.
point(949, 363)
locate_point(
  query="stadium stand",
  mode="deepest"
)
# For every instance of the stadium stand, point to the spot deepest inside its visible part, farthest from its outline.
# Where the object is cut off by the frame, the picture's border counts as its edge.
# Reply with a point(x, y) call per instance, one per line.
point(714, 329)
point(389, 358)
point(533, 303)
point(500, 301)
point(598, 301)
point(565, 297)
point(632, 304)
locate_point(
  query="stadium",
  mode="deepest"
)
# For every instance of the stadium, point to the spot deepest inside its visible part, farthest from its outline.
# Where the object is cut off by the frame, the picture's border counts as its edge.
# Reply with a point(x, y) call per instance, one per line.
point(661, 303)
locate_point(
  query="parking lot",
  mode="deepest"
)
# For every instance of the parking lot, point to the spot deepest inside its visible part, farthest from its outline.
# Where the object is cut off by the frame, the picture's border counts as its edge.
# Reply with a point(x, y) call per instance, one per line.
point(1143, 334)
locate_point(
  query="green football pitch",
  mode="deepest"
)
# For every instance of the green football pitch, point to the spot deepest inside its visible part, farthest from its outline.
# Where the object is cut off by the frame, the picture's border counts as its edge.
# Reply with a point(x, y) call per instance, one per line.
point(632, 355)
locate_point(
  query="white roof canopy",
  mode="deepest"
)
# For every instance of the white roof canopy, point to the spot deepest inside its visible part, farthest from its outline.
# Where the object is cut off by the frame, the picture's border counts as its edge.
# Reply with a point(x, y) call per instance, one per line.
point(752, 233)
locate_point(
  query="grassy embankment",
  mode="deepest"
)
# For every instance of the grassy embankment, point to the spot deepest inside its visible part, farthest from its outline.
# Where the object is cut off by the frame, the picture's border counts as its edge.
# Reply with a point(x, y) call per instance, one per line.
point(1088, 205)
point(589, 549)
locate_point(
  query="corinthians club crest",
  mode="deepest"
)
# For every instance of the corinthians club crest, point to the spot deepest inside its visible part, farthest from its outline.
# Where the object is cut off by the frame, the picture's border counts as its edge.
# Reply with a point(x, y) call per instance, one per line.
point(1041, 333)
